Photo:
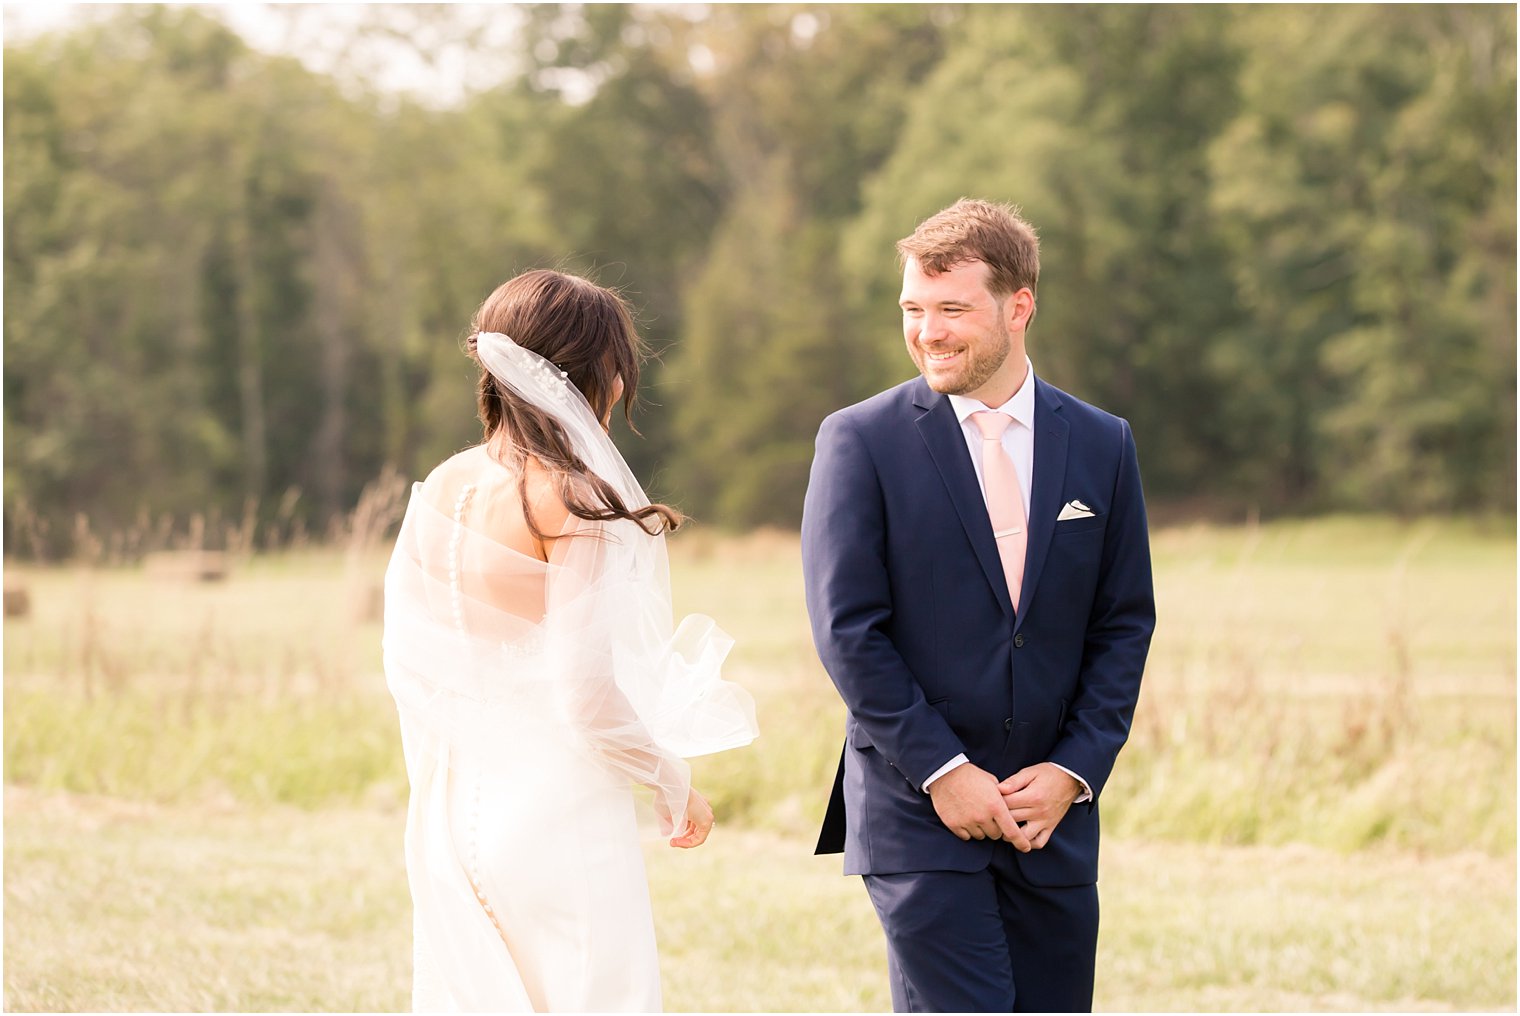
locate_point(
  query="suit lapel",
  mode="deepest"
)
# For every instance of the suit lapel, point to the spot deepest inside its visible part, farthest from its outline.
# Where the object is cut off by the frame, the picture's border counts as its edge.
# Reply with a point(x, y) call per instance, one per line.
point(1050, 440)
point(941, 431)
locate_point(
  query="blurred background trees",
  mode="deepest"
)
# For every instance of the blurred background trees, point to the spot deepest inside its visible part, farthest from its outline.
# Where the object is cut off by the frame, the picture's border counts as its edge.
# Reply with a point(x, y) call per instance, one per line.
point(1280, 240)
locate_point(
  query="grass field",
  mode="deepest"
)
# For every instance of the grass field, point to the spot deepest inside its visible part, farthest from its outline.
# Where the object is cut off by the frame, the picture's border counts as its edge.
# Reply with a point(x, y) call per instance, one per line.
point(204, 795)
point(118, 906)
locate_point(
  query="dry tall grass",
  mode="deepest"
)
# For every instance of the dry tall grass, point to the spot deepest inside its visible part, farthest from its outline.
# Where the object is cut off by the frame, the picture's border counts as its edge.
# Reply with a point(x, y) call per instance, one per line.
point(1341, 683)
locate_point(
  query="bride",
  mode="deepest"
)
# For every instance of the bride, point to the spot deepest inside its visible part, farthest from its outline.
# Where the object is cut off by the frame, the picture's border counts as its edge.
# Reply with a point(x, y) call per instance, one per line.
point(529, 646)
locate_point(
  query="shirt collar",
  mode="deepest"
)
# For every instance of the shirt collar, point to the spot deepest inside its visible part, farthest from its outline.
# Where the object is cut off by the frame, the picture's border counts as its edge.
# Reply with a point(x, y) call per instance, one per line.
point(1020, 407)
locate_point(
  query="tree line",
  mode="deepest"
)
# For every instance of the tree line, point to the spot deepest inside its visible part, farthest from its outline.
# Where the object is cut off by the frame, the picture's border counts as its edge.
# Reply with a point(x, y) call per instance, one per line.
point(1279, 240)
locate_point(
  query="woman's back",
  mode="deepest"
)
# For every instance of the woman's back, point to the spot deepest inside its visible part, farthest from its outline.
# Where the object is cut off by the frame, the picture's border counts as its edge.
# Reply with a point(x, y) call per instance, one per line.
point(491, 554)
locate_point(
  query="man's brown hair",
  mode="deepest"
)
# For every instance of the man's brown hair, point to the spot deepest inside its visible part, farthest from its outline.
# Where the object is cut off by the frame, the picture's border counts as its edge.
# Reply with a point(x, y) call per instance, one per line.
point(974, 230)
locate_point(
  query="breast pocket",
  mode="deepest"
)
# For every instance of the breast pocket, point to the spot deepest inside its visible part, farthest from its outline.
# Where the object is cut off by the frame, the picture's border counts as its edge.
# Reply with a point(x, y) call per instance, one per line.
point(1078, 541)
point(1086, 524)
point(1071, 571)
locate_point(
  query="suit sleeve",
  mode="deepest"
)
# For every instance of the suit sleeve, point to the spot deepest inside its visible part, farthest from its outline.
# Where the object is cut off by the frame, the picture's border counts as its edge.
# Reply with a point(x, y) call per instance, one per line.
point(849, 601)
point(1118, 634)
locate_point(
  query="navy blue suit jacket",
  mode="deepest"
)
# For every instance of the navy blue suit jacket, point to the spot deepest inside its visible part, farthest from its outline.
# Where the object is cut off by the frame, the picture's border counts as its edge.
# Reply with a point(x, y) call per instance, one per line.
point(913, 622)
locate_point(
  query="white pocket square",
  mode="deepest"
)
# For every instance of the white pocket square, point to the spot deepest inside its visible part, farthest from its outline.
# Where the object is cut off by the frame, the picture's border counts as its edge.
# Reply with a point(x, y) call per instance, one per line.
point(1074, 510)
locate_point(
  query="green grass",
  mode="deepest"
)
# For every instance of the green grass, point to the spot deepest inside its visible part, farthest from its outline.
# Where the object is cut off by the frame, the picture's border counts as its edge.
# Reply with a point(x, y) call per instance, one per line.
point(127, 906)
point(1316, 808)
point(1297, 928)
point(119, 906)
point(1345, 683)
point(171, 746)
point(1338, 605)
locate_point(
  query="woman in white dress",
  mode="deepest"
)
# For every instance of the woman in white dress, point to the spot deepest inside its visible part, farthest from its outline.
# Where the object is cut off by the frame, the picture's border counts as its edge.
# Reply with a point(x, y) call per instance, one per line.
point(529, 646)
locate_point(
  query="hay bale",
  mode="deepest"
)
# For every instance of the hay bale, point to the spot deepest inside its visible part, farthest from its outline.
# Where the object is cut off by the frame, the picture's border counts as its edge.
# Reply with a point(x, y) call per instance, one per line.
point(188, 565)
point(366, 601)
point(18, 601)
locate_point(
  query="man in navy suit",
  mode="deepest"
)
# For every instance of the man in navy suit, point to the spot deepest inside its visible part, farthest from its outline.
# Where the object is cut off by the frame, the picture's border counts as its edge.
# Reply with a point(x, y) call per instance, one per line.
point(979, 585)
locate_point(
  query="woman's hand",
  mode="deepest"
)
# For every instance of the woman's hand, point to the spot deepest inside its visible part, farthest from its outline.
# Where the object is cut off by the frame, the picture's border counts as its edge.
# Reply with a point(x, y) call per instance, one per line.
point(699, 822)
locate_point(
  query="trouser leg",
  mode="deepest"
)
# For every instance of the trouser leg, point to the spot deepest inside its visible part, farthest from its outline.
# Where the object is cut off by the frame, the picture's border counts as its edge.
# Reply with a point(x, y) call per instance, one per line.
point(946, 947)
point(986, 941)
point(1052, 936)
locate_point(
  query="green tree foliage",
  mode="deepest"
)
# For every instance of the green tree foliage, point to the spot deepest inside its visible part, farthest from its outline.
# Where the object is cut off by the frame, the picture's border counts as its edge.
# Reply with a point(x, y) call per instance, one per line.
point(112, 216)
point(1280, 240)
point(629, 177)
point(1096, 122)
point(1369, 191)
point(225, 288)
point(773, 343)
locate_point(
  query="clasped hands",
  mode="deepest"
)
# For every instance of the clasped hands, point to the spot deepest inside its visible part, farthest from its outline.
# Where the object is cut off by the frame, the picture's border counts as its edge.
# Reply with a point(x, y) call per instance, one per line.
point(1024, 809)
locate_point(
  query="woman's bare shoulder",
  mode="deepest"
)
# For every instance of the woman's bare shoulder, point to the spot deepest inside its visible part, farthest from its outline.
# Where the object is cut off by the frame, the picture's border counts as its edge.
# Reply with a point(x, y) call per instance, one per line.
point(443, 484)
point(545, 497)
point(503, 497)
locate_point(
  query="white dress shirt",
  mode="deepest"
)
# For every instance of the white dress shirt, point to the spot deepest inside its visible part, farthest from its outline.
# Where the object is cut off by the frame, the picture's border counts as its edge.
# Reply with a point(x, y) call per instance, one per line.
point(1018, 443)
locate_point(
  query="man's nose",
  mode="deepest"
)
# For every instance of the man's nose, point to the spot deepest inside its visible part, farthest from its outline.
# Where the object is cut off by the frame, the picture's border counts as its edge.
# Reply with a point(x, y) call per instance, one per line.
point(931, 327)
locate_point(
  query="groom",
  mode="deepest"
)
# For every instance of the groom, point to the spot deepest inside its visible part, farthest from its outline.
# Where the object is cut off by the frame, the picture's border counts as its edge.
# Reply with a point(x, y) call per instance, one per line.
point(979, 585)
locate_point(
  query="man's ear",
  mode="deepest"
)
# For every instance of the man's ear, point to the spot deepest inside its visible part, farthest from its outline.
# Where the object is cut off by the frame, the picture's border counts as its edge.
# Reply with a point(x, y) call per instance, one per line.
point(1018, 309)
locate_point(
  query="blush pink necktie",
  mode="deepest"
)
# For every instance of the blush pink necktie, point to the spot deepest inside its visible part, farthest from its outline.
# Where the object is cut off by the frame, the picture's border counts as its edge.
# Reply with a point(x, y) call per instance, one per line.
point(1005, 504)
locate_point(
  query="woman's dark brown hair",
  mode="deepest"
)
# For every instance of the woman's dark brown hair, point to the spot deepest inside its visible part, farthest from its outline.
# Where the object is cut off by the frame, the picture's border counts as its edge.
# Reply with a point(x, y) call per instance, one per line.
point(587, 332)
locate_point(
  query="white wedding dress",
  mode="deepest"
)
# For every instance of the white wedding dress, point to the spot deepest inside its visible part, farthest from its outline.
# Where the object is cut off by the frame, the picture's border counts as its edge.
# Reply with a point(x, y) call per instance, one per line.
point(532, 697)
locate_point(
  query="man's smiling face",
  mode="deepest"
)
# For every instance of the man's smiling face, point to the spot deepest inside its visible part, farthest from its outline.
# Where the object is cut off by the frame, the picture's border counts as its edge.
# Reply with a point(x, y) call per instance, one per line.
point(957, 332)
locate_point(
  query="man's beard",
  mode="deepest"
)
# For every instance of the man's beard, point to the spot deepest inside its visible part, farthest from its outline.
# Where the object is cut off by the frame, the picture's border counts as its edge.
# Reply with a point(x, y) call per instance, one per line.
point(978, 371)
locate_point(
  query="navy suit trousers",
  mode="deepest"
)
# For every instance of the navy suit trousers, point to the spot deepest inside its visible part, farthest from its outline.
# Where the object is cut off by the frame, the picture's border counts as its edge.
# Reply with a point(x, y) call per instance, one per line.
point(987, 941)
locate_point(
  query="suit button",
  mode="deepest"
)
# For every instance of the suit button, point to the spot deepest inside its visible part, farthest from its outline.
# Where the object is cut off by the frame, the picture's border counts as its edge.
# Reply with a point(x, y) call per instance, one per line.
point(1018, 641)
point(1008, 723)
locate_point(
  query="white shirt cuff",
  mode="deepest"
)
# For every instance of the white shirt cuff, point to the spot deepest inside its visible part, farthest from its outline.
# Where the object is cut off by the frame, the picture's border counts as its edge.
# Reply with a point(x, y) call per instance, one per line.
point(1086, 794)
point(942, 770)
